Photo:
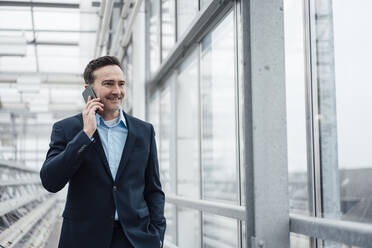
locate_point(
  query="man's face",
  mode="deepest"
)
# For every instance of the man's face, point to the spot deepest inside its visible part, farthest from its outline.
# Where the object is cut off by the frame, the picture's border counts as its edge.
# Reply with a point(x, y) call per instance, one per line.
point(109, 85)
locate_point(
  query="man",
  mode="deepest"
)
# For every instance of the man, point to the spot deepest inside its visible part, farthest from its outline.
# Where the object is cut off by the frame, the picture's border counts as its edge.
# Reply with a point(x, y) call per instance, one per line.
point(109, 158)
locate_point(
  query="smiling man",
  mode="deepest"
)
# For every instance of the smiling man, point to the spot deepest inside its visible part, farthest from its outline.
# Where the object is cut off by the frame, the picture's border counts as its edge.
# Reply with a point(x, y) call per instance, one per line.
point(109, 159)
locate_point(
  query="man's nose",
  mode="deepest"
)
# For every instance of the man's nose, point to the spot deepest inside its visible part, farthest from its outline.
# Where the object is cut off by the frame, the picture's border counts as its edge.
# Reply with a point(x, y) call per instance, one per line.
point(116, 89)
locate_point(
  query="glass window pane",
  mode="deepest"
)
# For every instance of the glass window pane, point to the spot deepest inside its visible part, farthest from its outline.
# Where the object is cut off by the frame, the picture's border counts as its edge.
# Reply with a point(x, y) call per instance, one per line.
point(127, 66)
point(189, 230)
point(344, 81)
point(164, 150)
point(204, 3)
point(299, 241)
point(168, 29)
point(186, 11)
point(188, 169)
point(332, 244)
point(154, 35)
point(154, 116)
point(170, 236)
point(353, 103)
point(219, 231)
point(296, 109)
point(218, 113)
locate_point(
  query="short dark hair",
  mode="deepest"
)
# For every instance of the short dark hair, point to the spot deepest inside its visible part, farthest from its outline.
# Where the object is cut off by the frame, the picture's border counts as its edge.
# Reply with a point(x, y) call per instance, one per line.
point(98, 63)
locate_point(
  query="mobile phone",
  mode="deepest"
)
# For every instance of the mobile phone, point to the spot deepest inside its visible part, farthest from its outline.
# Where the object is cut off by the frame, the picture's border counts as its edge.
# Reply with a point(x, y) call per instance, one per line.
point(88, 92)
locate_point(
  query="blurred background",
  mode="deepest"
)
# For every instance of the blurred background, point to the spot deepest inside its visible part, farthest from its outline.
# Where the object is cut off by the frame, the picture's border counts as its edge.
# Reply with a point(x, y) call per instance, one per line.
point(233, 164)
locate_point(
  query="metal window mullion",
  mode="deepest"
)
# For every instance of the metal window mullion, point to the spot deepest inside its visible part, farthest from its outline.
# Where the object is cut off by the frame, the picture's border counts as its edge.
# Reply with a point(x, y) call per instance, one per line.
point(247, 122)
point(319, 185)
point(315, 112)
point(237, 123)
point(313, 163)
point(160, 32)
point(173, 142)
point(175, 21)
point(147, 47)
point(200, 131)
point(265, 127)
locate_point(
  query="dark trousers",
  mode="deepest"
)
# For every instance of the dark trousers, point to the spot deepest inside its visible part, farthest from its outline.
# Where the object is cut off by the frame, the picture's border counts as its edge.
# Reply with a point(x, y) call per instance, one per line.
point(119, 240)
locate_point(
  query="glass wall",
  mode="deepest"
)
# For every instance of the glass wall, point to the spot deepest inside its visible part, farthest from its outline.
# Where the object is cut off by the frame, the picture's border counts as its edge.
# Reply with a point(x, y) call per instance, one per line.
point(327, 120)
point(296, 107)
point(217, 72)
point(219, 232)
point(164, 141)
point(167, 22)
point(186, 11)
point(189, 228)
point(204, 3)
point(337, 100)
point(344, 100)
point(168, 26)
point(188, 158)
point(203, 131)
point(154, 34)
point(127, 65)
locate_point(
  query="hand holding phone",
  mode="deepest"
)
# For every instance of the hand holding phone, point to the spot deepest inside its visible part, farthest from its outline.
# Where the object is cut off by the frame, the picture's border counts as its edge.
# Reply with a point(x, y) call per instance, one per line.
point(88, 92)
point(89, 112)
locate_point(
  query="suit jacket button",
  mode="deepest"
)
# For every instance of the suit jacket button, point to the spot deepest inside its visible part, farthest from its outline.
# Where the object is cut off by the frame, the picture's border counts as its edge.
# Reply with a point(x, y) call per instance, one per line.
point(114, 188)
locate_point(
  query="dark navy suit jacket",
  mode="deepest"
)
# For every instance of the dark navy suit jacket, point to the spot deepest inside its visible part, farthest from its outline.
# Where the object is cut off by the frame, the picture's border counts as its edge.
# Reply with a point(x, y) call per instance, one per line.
point(93, 195)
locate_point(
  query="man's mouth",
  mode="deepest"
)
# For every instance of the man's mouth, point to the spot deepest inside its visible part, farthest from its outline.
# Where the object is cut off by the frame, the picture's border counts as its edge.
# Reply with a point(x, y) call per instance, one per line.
point(114, 98)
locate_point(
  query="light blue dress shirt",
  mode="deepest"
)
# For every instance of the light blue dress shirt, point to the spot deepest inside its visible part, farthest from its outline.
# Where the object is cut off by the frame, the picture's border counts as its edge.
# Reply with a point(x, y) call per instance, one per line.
point(113, 135)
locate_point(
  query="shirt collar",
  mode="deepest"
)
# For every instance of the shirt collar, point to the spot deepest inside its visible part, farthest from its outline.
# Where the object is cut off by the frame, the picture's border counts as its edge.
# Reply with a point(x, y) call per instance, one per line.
point(122, 120)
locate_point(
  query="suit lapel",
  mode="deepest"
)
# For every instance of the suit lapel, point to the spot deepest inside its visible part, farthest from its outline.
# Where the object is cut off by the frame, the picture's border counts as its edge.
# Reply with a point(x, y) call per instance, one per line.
point(97, 144)
point(128, 147)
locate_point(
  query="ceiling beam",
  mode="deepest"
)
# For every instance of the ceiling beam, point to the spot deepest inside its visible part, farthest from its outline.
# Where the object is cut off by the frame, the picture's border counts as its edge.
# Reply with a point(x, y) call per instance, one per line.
point(40, 4)
point(46, 30)
point(53, 43)
point(116, 4)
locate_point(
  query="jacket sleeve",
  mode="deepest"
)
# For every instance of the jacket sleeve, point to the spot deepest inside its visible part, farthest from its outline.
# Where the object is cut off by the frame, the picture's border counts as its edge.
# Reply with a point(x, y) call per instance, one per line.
point(63, 158)
point(154, 194)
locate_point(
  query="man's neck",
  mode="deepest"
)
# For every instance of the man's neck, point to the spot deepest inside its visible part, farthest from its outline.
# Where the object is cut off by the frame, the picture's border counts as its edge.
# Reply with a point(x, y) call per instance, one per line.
point(107, 116)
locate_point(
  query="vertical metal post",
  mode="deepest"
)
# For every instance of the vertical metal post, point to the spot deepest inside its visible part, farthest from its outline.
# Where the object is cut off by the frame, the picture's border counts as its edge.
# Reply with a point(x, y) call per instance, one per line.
point(147, 54)
point(173, 144)
point(200, 132)
point(160, 32)
point(327, 116)
point(313, 170)
point(237, 121)
point(322, 129)
point(264, 120)
point(327, 108)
